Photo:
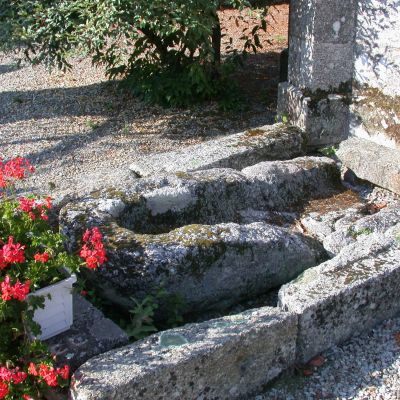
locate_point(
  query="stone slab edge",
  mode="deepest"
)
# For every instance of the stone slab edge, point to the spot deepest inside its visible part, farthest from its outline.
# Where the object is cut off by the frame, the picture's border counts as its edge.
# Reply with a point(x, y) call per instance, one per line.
point(346, 295)
point(269, 142)
point(372, 162)
point(90, 334)
point(225, 358)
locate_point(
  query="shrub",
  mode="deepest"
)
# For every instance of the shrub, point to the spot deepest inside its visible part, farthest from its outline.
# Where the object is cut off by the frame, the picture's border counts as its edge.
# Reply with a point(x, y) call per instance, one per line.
point(168, 51)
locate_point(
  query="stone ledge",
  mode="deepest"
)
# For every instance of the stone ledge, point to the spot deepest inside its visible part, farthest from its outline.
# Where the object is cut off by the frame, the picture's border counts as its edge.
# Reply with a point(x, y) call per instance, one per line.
point(269, 142)
point(374, 163)
point(225, 358)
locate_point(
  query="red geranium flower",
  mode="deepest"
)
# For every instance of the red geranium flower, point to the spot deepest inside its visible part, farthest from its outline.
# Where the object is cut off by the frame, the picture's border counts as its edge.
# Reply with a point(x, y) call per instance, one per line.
point(20, 290)
point(5, 374)
point(3, 390)
point(17, 292)
point(41, 257)
point(48, 374)
point(32, 369)
point(13, 252)
point(93, 250)
point(63, 372)
point(6, 289)
point(18, 376)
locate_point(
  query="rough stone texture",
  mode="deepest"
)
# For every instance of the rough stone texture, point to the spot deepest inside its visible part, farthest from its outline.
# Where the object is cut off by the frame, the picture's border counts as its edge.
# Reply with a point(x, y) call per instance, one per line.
point(377, 61)
point(376, 105)
point(372, 162)
point(321, 226)
point(335, 45)
point(321, 53)
point(226, 358)
point(269, 142)
point(345, 295)
point(337, 229)
point(376, 117)
point(163, 232)
point(91, 334)
point(325, 120)
point(206, 266)
point(159, 204)
point(354, 227)
point(321, 43)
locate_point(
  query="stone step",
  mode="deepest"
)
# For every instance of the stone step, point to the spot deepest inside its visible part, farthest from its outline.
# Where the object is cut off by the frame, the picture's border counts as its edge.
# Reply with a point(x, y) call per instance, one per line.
point(372, 162)
point(269, 142)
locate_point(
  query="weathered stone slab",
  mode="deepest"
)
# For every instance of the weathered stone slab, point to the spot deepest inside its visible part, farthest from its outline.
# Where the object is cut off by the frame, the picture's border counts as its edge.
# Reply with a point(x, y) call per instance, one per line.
point(226, 358)
point(279, 185)
point(321, 225)
point(206, 266)
point(159, 204)
point(354, 227)
point(269, 142)
point(91, 334)
point(346, 295)
point(372, 162)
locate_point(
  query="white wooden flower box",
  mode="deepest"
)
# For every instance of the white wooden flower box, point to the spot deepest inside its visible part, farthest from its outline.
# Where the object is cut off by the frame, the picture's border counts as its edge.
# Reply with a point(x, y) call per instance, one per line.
point(57, 314)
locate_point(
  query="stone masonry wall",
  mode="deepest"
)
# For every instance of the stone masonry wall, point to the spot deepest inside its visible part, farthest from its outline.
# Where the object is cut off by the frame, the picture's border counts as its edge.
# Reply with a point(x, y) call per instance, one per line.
point(344, 71)
point(376, 77)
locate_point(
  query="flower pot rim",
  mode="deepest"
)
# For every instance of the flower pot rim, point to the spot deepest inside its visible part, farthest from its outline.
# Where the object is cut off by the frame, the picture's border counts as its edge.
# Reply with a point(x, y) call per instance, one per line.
point(70, 280)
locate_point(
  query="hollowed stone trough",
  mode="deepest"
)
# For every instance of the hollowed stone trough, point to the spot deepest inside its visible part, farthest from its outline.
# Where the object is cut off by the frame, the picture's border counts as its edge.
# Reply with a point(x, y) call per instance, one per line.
point(203, 235)
point(183, 232)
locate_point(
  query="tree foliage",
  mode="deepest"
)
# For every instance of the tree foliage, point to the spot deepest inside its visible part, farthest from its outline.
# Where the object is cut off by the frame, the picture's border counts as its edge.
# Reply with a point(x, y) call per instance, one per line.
point(169, 52)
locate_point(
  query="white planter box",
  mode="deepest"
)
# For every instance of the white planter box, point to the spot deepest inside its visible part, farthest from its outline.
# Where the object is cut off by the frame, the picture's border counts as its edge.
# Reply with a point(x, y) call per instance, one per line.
point(56, 316)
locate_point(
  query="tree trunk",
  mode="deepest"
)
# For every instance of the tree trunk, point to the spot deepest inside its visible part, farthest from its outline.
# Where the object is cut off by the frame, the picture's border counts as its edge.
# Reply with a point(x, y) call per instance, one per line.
point(216, 41)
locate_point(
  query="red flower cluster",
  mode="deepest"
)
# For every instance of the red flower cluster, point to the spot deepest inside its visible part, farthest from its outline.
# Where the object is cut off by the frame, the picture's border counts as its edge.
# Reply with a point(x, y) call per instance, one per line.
point(42, 257)
point(11, 253)
point(8, 376)
point(12, 375)
point(35, 208)
point(3, 390)
point(18, 291)
point(93, 251)
point(15, 169)
point(49, 374)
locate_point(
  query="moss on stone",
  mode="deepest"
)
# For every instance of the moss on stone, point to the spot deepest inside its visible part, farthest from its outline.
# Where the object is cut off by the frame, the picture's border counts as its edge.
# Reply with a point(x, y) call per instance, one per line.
point(316, 96)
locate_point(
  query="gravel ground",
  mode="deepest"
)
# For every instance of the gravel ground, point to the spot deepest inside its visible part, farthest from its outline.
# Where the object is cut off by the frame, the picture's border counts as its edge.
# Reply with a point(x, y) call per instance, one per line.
point(366, 367)
point(82, 132)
